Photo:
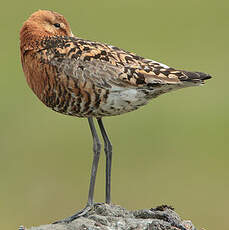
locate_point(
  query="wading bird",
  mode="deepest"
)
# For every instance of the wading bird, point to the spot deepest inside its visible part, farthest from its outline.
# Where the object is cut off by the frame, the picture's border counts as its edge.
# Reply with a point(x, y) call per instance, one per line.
point(89, 79)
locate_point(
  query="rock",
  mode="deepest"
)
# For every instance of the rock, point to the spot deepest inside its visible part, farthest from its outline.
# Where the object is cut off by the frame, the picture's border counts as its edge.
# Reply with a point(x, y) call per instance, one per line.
point(114, 217)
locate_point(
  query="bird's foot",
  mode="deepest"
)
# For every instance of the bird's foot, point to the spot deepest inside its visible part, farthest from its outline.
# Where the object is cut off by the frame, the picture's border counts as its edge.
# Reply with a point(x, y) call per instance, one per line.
point(80, 213)
point(77, 215)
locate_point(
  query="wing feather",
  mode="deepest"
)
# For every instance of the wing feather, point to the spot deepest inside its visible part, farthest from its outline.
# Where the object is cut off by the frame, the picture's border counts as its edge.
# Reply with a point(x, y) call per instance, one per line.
point(106, 65)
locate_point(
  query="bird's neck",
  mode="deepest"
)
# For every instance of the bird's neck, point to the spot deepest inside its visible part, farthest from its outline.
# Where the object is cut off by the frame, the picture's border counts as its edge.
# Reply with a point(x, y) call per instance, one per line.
point(31, 37)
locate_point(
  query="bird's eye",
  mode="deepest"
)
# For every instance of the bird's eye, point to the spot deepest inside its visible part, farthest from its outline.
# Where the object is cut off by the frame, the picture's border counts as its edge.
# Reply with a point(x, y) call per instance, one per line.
point(57, 25)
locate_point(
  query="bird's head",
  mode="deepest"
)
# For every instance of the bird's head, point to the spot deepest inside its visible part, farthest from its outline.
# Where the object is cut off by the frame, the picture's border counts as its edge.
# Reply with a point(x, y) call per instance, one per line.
point(44, 23)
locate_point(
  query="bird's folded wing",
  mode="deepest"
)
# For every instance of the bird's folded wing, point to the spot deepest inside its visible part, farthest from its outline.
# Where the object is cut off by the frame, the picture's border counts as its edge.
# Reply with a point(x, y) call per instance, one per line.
point(106, 65)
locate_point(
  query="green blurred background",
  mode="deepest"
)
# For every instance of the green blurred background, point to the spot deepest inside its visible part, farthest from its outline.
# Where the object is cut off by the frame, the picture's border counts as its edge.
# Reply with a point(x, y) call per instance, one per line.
point(172, 151)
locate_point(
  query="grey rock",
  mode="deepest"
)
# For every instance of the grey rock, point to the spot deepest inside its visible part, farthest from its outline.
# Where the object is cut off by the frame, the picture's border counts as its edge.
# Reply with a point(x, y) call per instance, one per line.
point(114, 217)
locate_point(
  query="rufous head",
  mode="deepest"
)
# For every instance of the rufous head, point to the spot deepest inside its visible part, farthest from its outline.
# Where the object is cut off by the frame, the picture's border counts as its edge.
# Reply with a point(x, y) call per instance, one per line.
point(44, 23)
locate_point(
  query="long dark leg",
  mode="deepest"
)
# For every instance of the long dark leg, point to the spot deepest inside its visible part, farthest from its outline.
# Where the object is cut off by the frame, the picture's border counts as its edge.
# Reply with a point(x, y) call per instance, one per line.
point(96, 151)
point(108, 152)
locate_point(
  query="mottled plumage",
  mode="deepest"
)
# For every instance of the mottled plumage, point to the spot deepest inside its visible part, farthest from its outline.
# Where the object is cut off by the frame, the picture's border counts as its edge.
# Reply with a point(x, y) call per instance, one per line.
point(84, 78)
point(89, 79)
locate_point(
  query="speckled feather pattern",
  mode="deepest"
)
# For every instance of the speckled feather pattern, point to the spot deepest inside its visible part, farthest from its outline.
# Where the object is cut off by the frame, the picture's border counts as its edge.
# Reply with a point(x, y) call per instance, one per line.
point(82, 78)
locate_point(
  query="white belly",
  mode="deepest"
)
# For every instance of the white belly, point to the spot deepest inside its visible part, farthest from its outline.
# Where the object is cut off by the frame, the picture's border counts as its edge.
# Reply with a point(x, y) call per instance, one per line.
point(124, 100)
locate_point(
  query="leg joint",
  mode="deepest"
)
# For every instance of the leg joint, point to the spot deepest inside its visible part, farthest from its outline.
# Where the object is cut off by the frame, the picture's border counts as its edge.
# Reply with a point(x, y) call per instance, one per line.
point(96, 146)
point(108, 147)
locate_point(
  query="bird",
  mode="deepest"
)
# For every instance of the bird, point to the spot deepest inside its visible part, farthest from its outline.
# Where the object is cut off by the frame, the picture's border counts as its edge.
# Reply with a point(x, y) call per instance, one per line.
point(92, 80)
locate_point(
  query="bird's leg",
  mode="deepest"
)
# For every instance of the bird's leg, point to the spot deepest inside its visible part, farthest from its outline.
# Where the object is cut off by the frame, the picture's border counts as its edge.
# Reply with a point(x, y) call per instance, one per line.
point(96, 151)
point(108, 152)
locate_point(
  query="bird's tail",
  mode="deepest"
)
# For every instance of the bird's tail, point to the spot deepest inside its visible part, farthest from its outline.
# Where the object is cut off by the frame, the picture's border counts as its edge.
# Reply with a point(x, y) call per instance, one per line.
point(194, 77)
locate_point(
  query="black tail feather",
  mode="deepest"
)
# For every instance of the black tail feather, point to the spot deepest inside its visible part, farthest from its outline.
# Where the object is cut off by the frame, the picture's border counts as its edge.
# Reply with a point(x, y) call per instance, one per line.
point(194, 76)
